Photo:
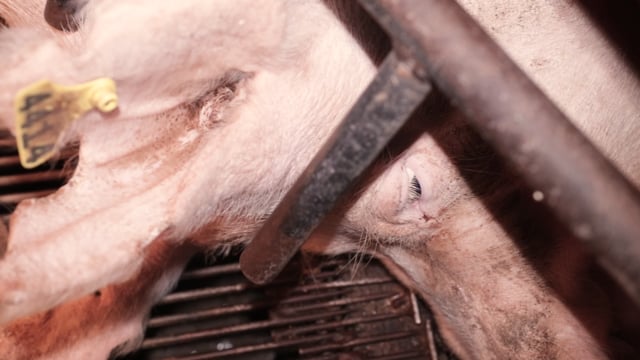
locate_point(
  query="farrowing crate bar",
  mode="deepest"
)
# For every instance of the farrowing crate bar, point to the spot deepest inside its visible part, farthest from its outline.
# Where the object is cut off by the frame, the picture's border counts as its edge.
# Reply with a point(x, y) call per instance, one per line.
point(438, 40)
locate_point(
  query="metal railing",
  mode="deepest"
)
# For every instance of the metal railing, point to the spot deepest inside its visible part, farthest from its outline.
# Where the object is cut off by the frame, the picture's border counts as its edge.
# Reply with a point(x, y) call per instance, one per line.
point(439, 41)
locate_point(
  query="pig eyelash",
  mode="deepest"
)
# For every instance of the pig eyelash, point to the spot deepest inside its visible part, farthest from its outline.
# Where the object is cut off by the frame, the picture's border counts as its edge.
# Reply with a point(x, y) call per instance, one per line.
point(415, 189)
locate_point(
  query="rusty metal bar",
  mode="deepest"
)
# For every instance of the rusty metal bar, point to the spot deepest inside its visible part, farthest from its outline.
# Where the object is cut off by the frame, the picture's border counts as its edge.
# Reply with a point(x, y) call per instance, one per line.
point(249, 349)
point(314, 296)
point(168, 320)
point(355, 342)
point(407, 355)
point(203, 293)
point(328, 325)
point(170, 340)
point(379, 113)
point(433, 354)
point(590, 195)
point(293, 311)
point(211, 271)
point(344, 284)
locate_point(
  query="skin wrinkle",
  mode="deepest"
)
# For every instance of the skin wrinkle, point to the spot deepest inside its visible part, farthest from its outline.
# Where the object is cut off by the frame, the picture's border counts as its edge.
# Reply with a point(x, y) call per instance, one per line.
point(92, 314)
point(187, 183)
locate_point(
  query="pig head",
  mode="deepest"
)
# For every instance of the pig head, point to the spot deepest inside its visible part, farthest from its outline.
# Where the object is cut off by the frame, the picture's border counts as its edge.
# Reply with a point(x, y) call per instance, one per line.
point(503, 279)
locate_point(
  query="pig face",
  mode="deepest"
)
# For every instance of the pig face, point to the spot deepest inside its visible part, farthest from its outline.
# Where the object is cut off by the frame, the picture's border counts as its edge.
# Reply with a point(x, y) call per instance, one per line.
point(472, 234)
point(489, 275)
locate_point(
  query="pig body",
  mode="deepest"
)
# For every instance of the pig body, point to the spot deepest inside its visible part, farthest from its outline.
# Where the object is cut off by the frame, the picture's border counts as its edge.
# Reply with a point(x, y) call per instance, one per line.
point(191, 153)
point(197, 104)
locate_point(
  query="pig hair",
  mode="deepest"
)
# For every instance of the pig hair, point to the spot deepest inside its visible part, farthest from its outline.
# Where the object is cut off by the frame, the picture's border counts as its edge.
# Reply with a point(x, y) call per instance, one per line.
point(19, 13)
point(366, 245)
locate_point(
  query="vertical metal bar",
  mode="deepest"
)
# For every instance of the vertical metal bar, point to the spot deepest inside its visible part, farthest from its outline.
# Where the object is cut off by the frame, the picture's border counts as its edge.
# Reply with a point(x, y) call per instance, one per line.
point(585, 191)
point(379, 113)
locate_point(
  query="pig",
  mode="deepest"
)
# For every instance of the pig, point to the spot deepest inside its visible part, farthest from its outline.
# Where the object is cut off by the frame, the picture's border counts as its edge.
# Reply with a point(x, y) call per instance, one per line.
point(443, 212)
point(196, 105)
point(467, 233)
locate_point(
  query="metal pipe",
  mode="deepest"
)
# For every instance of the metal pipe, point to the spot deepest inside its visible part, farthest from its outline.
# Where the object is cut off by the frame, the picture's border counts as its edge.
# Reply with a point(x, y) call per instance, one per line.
point(379, 113)
point(290, 323)
point(586, 192)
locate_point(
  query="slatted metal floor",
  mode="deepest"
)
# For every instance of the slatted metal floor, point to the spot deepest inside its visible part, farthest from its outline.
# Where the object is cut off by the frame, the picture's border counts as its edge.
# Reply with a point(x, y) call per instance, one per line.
point(320, 308)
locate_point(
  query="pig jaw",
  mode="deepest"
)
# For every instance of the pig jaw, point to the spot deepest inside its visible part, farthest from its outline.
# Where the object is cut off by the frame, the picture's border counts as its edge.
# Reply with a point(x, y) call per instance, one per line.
point(487, 310)
point(488, 299)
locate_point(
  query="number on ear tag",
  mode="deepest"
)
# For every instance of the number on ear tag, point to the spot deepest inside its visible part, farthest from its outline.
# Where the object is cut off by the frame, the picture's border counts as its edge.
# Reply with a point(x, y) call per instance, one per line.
point(44, 111)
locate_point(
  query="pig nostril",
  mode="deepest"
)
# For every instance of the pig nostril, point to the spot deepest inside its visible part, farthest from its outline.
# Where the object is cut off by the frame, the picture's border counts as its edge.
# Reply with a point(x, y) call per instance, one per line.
point(3, 23)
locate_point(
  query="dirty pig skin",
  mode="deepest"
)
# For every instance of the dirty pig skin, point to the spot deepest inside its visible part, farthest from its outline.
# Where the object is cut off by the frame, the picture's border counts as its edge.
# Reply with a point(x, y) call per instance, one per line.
point(249, 91)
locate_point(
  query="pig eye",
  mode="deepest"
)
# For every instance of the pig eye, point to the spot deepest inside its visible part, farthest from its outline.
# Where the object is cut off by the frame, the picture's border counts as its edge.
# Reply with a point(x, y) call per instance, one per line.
point(415, 190)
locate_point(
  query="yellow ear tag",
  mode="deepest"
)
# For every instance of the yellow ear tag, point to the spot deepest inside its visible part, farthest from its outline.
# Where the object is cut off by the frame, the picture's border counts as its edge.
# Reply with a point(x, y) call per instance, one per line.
point(44, 110)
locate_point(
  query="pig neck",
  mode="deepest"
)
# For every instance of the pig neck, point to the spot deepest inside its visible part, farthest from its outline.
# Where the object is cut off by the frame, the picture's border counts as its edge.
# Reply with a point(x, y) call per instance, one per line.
point(482, 284)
